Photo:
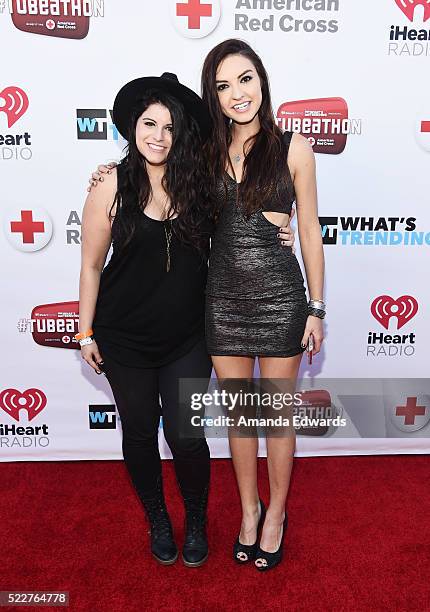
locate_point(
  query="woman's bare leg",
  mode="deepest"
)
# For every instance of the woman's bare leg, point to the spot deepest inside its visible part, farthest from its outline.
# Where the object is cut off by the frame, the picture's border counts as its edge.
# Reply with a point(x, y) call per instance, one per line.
point(280, 453)
point(243, 450)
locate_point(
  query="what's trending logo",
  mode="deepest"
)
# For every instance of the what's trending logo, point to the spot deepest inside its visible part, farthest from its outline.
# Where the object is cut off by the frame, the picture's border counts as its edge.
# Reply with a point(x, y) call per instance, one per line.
point(373, 231)
point(102, 416)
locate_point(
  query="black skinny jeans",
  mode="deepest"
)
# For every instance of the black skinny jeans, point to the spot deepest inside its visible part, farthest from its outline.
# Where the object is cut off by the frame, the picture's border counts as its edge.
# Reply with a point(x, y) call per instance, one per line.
point(137, 392)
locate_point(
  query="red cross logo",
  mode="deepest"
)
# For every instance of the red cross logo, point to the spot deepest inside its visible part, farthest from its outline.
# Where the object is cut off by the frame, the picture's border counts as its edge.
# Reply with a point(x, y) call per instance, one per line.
point(27, 226)
point(410, 411)
point(194, 11)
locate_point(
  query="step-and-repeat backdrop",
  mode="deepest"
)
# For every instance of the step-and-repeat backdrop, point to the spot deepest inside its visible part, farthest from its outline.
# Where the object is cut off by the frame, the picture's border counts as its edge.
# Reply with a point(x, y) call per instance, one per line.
point(352, 76)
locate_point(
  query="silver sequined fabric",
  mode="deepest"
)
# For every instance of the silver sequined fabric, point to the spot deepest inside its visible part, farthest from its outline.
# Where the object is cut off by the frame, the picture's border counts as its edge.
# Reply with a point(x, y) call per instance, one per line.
point(256, 301)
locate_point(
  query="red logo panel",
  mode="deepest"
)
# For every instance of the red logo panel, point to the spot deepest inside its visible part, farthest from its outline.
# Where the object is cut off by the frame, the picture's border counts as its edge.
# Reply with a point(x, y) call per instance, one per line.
point(31, 400)
point(323, 121)
point(384, 307)
point(408, 7)
point(56, 324)
point(63, 25)
point(16, 103)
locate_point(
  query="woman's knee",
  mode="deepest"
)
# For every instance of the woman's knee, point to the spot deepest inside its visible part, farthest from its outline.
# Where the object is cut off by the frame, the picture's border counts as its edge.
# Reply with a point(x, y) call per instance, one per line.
point(186, 447)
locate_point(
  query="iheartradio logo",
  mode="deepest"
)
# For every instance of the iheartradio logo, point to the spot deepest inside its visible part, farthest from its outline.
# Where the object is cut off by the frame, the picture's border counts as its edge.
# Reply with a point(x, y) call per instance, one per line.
point(403, 309)
point(195, 18)
point(408, 8)
point(13, 103)
point(31, 400)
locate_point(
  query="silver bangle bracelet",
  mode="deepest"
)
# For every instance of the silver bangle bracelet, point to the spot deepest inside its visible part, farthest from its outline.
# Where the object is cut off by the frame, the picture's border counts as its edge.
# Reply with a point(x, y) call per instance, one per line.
point(317, 304)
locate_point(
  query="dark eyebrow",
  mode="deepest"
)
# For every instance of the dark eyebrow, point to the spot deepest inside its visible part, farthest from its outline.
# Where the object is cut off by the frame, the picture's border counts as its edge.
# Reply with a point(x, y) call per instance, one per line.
point(239, 77)
point(146, 119)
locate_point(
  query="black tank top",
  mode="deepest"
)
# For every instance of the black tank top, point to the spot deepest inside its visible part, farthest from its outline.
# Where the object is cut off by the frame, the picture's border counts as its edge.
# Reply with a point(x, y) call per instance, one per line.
point(145, 315)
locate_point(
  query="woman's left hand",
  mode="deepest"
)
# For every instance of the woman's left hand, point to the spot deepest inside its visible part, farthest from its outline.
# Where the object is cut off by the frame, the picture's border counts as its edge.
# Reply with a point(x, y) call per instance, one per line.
point(286, 235)
point(314, 326)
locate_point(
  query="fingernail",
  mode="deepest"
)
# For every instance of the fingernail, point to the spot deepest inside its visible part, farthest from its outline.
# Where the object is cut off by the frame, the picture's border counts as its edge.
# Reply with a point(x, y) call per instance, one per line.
point(97, 372)
point(109, 171)
point(283, 242)
point(101, 179)
point(303, 345)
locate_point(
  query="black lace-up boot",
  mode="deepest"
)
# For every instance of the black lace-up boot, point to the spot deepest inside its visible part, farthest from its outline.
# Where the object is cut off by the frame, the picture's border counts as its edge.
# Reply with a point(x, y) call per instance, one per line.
point(195, 550)
point(163, 546)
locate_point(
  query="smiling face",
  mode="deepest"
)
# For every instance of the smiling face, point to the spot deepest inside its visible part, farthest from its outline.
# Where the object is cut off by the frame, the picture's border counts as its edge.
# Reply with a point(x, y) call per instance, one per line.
point(239, 88)
point(154, 134)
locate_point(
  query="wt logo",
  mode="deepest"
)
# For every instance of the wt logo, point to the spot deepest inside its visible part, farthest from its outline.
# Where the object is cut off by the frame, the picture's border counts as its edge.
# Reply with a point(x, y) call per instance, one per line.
point(31, 400)
point(195, 18)
point(91, 124)
point(408, 8)
point(14, 103)
point(102, 416)
point(384, 307)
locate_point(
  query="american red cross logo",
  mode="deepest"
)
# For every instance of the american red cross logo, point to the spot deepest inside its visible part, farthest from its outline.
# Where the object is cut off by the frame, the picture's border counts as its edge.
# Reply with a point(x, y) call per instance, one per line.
point(27, 226)
point(410, 411)
point(194, 10)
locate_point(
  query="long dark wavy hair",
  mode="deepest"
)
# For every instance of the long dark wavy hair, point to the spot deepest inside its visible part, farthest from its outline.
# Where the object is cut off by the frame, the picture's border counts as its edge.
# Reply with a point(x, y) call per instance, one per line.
point(185, 180)
point(265, 169)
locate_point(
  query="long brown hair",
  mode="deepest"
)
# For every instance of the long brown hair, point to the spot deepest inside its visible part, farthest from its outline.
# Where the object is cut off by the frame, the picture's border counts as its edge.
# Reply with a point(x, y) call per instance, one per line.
point(185, 180)
point(265, 169)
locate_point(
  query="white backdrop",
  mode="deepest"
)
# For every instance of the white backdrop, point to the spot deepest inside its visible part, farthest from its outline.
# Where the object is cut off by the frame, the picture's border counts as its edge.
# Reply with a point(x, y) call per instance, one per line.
point(327, 61)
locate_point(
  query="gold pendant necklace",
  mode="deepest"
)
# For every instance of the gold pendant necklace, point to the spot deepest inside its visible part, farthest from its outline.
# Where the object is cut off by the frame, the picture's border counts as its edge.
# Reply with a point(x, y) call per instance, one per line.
point(168, 235)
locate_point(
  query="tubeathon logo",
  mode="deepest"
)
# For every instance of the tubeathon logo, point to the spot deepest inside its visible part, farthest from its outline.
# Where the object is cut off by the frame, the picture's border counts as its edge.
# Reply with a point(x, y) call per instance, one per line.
point(53, 325)
point(411, 39)
point(325, 122)
point(58, 18)
point(394, 313)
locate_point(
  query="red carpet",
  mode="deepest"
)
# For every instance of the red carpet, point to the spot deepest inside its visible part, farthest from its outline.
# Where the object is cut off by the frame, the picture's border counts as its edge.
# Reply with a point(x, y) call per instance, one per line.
point(359, 539)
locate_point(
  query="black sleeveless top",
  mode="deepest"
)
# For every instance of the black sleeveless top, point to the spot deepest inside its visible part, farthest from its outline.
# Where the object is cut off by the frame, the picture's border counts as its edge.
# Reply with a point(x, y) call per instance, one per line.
point(145, 315)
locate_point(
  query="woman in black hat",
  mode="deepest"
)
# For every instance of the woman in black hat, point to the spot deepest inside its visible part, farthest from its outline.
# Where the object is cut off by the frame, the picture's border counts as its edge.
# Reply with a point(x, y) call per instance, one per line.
point(142, 316)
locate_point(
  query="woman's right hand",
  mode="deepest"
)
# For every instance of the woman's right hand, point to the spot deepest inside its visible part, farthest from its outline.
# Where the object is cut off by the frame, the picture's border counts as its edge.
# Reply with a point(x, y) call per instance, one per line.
point(97, 176)
point(90, 354)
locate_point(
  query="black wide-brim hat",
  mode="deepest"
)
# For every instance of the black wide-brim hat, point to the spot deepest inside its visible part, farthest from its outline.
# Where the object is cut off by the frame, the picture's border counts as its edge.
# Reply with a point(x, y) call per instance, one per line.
point(130, 93)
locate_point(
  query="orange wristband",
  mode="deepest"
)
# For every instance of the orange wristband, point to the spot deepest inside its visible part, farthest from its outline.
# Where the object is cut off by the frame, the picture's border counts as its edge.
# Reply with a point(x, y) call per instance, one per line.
point(83, 335)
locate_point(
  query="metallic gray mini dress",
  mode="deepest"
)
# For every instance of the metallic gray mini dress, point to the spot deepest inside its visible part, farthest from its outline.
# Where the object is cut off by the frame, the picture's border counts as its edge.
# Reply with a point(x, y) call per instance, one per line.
point(256, 301)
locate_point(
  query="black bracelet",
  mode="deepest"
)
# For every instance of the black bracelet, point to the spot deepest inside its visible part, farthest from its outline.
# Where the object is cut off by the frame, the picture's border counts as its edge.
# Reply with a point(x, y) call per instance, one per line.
point(316, 312)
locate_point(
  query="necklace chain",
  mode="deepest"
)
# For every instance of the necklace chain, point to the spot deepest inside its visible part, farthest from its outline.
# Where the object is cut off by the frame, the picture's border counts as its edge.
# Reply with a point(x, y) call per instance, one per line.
point(168, 234)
